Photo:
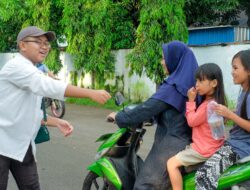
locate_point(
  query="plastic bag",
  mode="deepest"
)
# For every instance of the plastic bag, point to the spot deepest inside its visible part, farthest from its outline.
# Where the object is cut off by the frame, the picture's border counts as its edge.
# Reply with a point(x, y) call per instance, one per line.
point(215, 121)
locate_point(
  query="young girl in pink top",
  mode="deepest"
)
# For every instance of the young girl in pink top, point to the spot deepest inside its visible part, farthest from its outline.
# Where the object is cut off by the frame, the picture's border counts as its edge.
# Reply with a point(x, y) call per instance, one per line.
point(209, 85)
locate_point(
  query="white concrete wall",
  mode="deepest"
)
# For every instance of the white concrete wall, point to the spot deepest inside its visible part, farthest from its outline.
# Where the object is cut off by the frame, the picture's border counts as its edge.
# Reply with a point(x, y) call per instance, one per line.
point(67, 63)
point(130, 81)
point(221, 55)
point(120, 69)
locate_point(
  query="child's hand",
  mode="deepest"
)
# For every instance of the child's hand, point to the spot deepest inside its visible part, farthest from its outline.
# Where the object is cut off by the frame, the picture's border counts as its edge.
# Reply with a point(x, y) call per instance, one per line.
point(222, 110)
point(191, 94)
point(65, 127)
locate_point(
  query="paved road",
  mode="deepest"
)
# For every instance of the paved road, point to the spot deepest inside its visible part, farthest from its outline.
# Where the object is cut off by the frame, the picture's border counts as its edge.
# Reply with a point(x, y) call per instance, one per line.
point(62, 162)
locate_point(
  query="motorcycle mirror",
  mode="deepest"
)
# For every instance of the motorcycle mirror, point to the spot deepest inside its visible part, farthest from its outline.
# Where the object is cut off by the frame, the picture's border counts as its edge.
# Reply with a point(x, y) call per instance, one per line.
point(119, 98)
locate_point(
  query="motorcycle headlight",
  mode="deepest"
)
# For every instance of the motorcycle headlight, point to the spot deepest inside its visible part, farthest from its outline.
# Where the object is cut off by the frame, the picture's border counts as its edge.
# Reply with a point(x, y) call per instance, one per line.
point(101, 153)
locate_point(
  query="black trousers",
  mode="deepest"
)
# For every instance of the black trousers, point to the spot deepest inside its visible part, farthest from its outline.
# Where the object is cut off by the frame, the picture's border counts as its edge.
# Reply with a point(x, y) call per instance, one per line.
point(24, 173)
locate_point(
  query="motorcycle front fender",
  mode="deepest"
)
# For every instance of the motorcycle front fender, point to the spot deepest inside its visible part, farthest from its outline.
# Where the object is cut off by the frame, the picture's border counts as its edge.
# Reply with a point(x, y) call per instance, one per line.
point(96, 169)
point(104, 168)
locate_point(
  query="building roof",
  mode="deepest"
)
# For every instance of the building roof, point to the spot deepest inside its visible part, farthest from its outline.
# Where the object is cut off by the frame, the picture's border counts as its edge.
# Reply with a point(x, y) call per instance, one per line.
point(218, 35)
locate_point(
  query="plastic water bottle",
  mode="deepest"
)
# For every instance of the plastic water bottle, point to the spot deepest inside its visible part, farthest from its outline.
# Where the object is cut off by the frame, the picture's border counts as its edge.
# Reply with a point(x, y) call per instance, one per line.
point(215, 121)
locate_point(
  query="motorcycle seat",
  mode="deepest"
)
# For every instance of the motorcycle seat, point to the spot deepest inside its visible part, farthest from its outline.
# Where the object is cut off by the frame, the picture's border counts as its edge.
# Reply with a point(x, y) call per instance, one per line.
point(189, 169)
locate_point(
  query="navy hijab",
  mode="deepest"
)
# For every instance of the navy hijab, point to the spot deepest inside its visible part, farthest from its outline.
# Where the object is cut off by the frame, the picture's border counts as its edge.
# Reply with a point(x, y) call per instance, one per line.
point(181, 64)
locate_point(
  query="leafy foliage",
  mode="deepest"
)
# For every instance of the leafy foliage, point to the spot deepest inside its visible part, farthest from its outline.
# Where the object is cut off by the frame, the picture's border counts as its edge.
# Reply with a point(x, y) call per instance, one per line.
point(21, 14)
point(53, 61)
point(160, 22)
point(139, 91)
point(245, 5)
point(92, 28)
point(210, 12)
point(125, 22)
point(95, 27)
point(87, 26)
point(8, 32)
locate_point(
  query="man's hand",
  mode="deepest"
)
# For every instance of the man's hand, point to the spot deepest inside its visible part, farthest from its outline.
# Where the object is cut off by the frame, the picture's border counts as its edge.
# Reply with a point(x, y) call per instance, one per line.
point(65, 127)
point(100, 96)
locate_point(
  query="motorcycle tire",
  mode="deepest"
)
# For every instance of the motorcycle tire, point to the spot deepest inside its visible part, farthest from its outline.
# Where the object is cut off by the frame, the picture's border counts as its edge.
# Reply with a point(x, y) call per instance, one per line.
point(58, 108)
point(93, 182)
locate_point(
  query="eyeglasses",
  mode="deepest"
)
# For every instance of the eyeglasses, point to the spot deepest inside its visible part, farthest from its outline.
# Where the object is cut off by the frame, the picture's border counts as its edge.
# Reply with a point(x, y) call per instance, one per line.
point(40, 43)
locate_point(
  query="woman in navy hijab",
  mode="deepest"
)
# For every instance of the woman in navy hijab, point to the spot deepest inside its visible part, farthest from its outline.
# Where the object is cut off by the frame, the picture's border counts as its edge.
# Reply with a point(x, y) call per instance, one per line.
point(168, 106)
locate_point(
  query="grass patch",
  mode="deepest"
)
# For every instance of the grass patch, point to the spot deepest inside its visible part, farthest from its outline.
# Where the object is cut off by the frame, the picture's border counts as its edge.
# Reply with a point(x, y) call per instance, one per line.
point(232, 106)
point(110, 104)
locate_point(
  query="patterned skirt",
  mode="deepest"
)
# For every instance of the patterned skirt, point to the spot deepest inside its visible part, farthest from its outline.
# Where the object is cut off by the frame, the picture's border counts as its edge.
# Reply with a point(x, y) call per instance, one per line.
point(207, 176)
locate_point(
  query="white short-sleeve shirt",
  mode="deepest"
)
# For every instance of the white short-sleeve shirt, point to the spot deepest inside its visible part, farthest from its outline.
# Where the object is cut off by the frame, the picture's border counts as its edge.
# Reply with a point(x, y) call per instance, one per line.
point(22, 87)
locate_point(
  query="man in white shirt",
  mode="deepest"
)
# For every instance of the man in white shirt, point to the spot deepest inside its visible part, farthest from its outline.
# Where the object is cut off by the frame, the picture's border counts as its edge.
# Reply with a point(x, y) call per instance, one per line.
point(22, 87)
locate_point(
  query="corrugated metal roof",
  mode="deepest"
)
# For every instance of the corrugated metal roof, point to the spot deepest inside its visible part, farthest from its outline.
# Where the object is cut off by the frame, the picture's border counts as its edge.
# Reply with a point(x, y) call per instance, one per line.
point(218, 35)
point(208, 27)
point(241, 34)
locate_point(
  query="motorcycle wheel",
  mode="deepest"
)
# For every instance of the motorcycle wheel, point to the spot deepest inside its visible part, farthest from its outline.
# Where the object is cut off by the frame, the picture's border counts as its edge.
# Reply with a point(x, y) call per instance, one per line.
point(58, 108)
point(93, 182)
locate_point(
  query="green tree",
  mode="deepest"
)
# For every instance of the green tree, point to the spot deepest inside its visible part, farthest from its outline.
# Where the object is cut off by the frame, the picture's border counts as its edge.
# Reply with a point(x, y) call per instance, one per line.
point(88, 24)
point(245, 5)
point(210, 12)
point(95, 27)
point(160, 22)
point(16, 14)
point(44, 17)
point(10, 24)
point(125, 21)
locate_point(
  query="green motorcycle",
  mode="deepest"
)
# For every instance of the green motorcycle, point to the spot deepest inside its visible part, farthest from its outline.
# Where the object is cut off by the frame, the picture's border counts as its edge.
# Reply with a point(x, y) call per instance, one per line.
point(117, 164)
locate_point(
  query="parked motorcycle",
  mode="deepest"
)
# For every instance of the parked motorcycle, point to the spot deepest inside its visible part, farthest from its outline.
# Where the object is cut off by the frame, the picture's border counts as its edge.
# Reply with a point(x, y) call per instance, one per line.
point(117, 164)
point(57, 107)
